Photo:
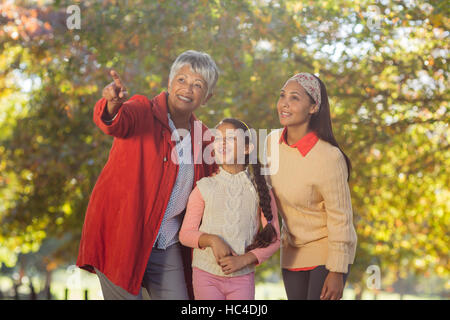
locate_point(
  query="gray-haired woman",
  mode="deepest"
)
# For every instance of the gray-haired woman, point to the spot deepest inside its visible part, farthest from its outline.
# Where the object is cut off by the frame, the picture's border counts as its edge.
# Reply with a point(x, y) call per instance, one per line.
point(130, 233)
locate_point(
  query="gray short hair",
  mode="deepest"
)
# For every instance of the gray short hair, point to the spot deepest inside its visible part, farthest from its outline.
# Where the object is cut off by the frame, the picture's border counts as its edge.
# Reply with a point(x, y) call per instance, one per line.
point(201, 63)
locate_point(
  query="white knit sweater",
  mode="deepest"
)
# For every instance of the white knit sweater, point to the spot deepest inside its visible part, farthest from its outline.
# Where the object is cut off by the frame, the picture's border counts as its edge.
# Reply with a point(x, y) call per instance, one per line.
point(231, 212)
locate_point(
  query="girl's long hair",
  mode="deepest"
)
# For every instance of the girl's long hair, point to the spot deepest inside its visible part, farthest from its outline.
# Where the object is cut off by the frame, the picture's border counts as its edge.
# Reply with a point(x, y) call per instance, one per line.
point(320, 123)
point(268, 234)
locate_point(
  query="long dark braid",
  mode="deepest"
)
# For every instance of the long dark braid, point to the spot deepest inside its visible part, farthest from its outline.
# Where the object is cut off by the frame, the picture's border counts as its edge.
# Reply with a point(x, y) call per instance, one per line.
point(268, 234)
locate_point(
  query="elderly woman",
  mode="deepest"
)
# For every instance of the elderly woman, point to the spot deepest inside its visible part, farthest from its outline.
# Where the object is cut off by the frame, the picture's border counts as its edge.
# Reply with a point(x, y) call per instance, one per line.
point(130, 233)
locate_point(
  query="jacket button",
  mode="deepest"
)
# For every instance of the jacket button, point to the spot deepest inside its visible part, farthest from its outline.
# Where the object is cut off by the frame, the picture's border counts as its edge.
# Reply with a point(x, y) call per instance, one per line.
point(165, 159)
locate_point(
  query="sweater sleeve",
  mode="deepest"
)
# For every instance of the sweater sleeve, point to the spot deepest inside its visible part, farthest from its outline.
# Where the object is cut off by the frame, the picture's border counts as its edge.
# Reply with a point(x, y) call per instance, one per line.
point(336, 194)
point(262, 254)
point(189, 233)
point(129, 120)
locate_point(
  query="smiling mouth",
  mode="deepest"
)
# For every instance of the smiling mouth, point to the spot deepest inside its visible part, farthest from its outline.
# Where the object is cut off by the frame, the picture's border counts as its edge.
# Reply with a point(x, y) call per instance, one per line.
point(285, 114)
point(183, 98)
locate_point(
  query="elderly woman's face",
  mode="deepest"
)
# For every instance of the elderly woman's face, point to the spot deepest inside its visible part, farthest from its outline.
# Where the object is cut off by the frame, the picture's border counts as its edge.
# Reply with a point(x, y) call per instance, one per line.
point(187, 91)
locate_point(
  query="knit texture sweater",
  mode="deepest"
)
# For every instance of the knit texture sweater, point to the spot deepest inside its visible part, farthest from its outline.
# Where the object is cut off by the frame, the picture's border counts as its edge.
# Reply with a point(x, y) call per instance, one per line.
point(229, 205)
point(313, 199)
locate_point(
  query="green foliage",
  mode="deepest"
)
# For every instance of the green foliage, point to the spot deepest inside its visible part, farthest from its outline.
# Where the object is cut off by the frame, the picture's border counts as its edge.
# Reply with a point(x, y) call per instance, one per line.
point(387, 86)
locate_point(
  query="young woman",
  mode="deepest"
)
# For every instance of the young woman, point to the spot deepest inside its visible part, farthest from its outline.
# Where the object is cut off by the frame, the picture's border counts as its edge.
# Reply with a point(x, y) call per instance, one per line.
point(222, 220)
point(309, 176)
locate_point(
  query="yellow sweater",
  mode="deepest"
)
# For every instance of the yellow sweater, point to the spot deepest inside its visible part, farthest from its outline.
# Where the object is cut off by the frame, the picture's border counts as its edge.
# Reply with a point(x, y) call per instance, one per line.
point(313, 198)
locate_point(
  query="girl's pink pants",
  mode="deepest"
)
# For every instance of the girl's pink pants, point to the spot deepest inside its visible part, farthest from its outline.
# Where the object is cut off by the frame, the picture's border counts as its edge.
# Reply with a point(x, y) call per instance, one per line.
point(208, 286)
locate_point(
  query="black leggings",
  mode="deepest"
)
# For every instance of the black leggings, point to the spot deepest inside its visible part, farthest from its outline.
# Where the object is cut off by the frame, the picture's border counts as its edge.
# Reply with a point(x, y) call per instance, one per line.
point(306, 285)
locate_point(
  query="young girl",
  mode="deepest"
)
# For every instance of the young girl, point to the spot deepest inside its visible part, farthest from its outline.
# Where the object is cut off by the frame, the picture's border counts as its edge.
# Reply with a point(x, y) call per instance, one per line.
point(222, 220)
point(310, 185)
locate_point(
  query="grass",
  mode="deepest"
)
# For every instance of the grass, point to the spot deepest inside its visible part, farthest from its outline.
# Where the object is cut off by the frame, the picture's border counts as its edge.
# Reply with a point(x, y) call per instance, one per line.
point(78, 281)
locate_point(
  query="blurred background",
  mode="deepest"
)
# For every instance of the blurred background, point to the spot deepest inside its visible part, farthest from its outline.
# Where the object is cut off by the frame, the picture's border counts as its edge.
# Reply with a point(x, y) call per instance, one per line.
point(385, 67)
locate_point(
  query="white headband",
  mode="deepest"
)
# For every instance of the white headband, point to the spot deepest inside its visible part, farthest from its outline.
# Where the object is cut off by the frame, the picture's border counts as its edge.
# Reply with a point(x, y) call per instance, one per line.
point(310, 84)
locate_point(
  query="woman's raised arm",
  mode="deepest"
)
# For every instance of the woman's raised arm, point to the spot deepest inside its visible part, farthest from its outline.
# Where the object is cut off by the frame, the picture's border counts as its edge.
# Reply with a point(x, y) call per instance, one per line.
point(116, 116)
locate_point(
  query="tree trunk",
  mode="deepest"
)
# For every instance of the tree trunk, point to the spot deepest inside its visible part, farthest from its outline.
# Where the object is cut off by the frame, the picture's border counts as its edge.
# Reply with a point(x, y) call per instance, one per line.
point(16, 291)
point(32, 291)
point(48, 280)
point(359, 289)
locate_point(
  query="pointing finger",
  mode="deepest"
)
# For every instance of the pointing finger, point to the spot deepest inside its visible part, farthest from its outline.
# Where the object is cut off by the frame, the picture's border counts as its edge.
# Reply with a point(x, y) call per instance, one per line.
point(116, 78)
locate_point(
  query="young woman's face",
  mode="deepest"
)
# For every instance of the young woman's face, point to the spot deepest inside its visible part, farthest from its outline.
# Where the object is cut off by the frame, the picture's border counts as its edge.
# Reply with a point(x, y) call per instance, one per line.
point(294, 105)
point(229, 144)
point(187, 91)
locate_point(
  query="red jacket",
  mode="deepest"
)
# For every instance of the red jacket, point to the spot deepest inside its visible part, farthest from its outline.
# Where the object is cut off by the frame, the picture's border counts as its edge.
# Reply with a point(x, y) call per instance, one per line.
point(131, 194)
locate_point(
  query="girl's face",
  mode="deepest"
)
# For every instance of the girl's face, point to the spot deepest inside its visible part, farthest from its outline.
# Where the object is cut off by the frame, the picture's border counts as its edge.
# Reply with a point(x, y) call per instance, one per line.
point(294, 105)
point(229, 145)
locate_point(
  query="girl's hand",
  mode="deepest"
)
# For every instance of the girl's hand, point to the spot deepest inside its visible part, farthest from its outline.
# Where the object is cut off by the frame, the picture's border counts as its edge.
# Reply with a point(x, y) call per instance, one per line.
point(220, 248)
point(232, 264)
point(333, 287)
